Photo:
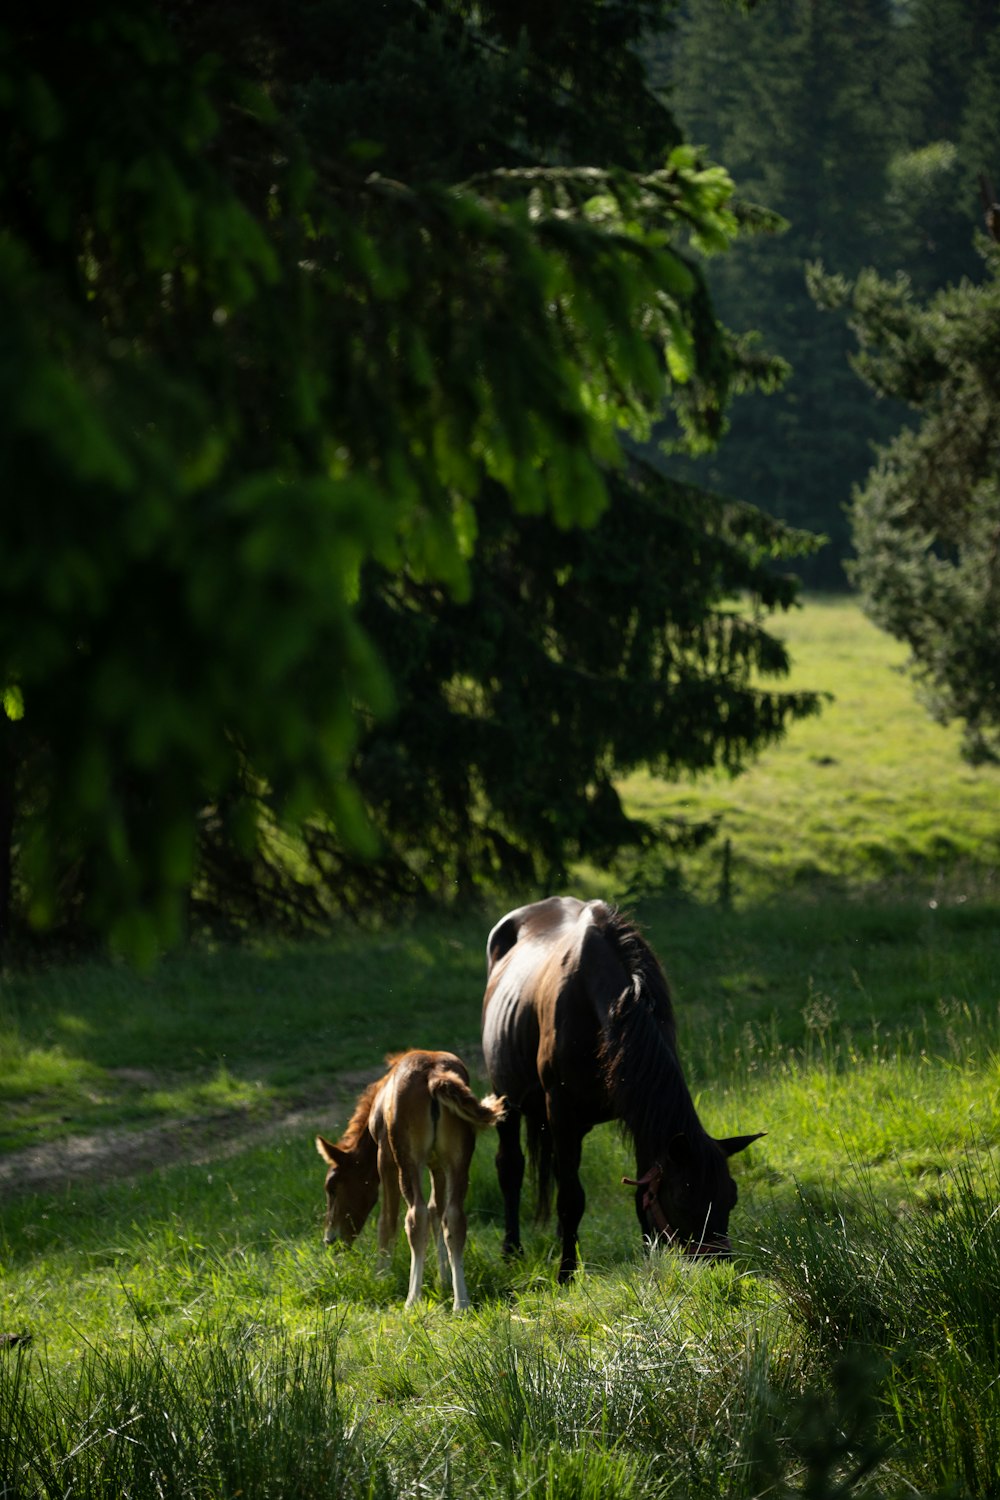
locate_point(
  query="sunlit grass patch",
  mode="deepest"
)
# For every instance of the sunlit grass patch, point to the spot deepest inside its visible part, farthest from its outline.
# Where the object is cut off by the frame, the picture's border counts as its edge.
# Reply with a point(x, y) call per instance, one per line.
point(845, 998)
point(870, 791)
point(673, 1377)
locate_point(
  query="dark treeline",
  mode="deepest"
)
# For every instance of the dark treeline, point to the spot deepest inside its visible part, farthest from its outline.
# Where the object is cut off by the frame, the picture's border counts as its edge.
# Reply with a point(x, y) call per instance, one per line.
point(338, 572)
point(866, 125)
point(333, 574)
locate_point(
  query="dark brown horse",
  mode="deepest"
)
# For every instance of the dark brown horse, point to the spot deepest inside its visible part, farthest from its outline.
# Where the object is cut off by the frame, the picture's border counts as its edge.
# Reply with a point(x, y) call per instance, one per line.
point(578, 1028)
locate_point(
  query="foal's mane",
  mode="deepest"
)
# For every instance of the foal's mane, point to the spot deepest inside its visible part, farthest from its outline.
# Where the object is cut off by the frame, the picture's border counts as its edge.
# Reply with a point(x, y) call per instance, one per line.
point(639, 1050)
point(358, 1123)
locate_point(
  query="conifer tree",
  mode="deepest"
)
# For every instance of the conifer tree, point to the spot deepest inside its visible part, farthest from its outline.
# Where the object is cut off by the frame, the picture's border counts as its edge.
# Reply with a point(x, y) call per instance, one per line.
point(306, 310)
point(926, 522)
point(794, 99)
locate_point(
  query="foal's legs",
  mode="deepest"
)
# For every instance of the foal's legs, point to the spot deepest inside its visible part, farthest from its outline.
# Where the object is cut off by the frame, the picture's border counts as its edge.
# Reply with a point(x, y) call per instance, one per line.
point(510, 1172)
point(456, 1183)
point(416, 1226)
point(439, 1197)
point(388, 1214)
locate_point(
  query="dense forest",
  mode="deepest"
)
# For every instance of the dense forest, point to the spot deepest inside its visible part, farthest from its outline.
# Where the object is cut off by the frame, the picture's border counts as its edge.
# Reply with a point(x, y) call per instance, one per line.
point(867, 126)
point(341, 567)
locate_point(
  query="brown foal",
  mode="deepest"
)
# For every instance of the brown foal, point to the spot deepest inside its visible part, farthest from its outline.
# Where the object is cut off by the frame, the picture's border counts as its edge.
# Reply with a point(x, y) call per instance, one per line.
point(421, 1115)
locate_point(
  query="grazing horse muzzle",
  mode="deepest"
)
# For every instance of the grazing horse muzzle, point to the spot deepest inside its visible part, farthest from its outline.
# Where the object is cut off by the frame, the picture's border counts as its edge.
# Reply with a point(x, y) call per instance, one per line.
point(714, 1246)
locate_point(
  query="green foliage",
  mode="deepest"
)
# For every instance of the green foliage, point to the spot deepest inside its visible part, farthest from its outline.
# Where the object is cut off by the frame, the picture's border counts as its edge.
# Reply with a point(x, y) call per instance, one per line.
point(926, 521)
point(866, 127)
point(919, 1287)
point(579, 656)
point(243, 374)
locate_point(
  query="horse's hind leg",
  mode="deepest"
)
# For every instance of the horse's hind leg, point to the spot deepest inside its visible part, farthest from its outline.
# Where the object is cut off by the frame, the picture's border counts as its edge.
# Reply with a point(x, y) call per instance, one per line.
point(416, 1229)
point(567, 1142)
point(434, 1210)
point(510, 1173)
point(456, 1227)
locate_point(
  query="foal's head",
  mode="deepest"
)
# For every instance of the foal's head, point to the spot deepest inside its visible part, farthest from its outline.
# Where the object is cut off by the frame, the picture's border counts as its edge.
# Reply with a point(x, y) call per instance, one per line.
point(351, 1188)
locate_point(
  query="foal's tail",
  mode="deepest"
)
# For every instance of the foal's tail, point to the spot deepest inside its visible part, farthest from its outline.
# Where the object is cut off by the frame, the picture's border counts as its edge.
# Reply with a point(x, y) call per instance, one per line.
point(454, 1095)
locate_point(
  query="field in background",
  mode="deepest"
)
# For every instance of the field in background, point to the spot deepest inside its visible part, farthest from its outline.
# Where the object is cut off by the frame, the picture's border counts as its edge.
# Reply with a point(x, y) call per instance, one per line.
point(192, 1336)
point(870, 792)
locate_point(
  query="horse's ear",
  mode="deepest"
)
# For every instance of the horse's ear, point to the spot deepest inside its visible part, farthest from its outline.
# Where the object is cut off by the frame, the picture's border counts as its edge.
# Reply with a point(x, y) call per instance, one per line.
point(736, 1143)
point(331, 1154)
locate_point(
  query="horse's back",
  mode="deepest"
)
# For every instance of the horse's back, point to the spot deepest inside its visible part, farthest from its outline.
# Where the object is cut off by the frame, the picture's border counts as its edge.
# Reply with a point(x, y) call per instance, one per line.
point(414, 1069)
point(542, 924)
point(404, 1097)
point(535, 958)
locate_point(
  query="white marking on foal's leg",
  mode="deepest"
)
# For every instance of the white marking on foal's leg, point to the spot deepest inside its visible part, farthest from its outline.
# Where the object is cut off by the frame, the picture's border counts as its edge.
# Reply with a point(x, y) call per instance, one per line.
point(455, 1234)
point(416, 1233)
point(461, 1299)
point(444, 1264)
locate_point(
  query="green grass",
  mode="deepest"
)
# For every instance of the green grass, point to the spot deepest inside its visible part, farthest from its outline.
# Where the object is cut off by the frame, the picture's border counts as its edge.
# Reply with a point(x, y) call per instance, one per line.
point(870, 792)
point(192, 1336)
point(92, 1045)
point(191, 1360)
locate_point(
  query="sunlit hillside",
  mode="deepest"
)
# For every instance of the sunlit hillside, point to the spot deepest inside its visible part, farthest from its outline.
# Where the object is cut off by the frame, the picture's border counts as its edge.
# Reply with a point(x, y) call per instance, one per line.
point(872, 790)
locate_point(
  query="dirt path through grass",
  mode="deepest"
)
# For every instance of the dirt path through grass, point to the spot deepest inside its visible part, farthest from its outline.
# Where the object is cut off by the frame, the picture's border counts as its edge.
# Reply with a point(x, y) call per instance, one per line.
point(121, 1153)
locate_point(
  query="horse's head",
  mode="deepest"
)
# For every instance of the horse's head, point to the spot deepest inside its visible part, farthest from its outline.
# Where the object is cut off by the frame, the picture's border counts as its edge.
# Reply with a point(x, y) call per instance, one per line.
point(351, 1190)
point(687, 1196)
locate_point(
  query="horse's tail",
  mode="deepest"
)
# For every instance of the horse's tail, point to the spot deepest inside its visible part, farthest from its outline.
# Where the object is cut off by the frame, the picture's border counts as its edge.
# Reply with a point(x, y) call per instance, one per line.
point(539, 1143)
point(454, 1095)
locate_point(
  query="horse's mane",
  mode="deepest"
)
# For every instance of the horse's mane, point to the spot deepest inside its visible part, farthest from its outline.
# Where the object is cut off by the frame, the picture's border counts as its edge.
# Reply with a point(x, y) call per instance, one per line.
point(639, 1051)
point(358, 1123)
point(639, 960)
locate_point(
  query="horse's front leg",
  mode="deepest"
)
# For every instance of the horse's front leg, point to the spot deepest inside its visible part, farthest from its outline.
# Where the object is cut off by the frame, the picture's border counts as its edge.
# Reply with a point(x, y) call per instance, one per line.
point(567, 1145)
point(510, 1173)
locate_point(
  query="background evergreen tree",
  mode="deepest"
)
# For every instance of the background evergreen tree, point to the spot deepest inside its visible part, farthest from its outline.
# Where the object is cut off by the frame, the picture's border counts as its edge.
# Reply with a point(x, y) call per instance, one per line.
point(865, 125)
point(580, 654)
point(927, 520)
point(269, 415)
point(946, 103)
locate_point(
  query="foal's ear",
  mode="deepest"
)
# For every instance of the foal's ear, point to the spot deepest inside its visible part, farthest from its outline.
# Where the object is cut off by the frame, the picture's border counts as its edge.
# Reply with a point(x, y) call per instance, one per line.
point(331, 1154)
point(736, 1143)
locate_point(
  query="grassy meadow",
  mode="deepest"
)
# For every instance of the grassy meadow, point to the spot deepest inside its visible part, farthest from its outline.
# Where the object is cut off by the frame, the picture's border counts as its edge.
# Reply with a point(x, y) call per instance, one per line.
point(837, 985)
